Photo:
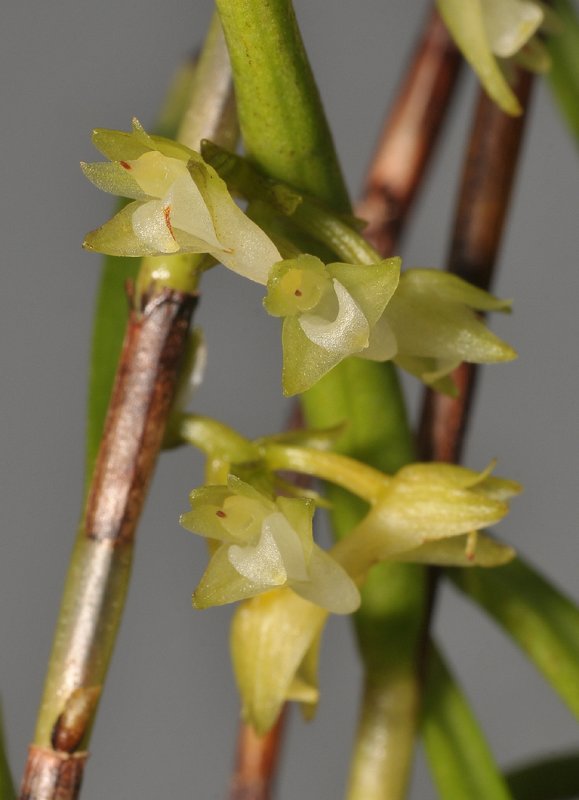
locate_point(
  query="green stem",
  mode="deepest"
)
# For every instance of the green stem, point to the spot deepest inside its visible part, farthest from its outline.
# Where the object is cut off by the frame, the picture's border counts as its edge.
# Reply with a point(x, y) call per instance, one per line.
point(282, 120)
point(214, 438)
point(376, 759)
point(354, 476)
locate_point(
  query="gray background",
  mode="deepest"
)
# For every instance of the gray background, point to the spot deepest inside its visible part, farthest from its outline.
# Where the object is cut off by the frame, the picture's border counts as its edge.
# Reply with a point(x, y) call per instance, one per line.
point(166, 724)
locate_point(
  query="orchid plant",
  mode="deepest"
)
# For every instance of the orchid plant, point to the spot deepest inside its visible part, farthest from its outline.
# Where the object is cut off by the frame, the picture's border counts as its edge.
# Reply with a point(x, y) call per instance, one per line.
point(352, 314)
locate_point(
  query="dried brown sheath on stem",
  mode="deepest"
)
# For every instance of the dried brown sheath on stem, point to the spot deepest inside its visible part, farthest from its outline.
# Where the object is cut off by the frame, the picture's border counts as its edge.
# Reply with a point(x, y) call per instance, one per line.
point(96, 585)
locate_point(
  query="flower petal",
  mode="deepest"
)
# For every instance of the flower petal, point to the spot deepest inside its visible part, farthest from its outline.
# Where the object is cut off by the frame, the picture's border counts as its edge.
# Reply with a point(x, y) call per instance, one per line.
point(304, 362)
point(117, 237)
point(455, 552)
point(189, 212)
point(262, 564)
point(509, 24)
point(382, 345)
point(152, 226)
point(428, 326)
point(289, 546)
point(447, 287)
point(465, 21)
point(270, 637)
point(329, 585)
point(155, 173)
point(371, 286)
point(346, 334)
point(246, 249)
point(221, 583)
point(113, 178)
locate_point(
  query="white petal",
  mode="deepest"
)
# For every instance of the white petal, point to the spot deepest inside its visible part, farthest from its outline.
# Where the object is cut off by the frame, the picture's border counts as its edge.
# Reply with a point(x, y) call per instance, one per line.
point(189, 211)
point(262, 564)
point(288, 544)
point(329, 585)
point(383, 345)
point(346, 334)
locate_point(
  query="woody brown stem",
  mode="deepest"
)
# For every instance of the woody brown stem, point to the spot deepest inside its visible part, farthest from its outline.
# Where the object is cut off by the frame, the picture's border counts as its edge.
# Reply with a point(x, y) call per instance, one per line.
point(488, 177)
point(256, 762)
point(409, 136)
point(483, 202)
point(97, 580)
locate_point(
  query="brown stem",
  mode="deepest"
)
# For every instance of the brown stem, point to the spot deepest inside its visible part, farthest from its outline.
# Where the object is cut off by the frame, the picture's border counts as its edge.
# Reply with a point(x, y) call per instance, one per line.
point(409, 135)
point(487, 180)
point(97, 581)
point(256, 762)
point(483, 201)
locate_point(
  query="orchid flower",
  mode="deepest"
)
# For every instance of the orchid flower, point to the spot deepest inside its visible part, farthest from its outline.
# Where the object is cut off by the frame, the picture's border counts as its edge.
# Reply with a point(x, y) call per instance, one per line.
point(180, 205)
point(329, 312)
point(263, 544)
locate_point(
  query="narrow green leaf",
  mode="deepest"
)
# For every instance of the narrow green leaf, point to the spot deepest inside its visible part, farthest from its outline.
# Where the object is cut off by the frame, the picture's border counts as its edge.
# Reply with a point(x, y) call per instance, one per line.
point(538, 617)
point(554, 778)
point(6, 785)
point(563, 48)
point(459, 757)
point(281, 116)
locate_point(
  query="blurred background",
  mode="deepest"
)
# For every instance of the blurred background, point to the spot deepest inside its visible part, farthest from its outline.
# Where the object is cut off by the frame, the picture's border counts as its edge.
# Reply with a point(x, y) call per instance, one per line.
point(167, 723)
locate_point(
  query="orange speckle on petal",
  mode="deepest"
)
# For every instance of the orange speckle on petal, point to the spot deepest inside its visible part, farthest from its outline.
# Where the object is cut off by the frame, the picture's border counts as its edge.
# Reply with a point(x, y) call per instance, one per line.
point(221, 513)
point(167, 215)
point(125, 165)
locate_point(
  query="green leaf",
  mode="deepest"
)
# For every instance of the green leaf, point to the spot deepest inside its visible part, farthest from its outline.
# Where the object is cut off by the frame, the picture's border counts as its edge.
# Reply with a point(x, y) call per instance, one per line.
point(6, 785)
point(554, 778)
point(537, 616)
point(459, 757)
point(563, 48)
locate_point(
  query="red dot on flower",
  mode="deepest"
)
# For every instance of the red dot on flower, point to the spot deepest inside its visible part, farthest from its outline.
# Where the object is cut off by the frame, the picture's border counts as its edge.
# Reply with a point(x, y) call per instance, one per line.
point(125, 165)
point(221, 513)
point(298, 293)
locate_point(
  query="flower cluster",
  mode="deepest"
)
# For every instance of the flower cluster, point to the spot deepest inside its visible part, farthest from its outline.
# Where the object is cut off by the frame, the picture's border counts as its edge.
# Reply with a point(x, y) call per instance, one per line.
point(428, 513)
point(487, 29)
point(424, 320)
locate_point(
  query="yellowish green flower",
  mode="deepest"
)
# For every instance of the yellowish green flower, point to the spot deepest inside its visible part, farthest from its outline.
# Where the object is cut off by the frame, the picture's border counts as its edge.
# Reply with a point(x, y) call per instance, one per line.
point(180, 205)
point(484, 29)
point(262, 544)
point(424, 507)
point(425, 320)
point(329, 312)
point(433, 321)
point(428, 513)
